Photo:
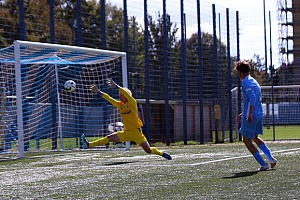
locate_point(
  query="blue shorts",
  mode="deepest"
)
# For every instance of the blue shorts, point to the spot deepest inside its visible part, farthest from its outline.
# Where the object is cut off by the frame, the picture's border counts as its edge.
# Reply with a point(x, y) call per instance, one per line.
point(253, 128)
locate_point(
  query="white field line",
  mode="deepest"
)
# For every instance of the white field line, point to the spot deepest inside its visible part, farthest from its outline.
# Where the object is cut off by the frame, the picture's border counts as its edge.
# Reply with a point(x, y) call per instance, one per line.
point(232, 158)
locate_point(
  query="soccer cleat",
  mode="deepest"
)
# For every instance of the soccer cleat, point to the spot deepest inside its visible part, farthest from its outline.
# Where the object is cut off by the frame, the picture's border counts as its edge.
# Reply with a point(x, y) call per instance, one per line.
point(166, 156)
point(263, 168)
point(84, 142)
point(273, 162)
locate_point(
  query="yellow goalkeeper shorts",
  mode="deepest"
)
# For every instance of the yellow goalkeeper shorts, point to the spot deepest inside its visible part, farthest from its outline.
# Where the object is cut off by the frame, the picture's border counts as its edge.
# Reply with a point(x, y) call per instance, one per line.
point(136, 136)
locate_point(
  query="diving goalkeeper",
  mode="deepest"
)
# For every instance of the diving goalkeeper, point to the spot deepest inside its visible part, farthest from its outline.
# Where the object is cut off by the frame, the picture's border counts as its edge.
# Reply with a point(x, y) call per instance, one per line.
point(132, 123)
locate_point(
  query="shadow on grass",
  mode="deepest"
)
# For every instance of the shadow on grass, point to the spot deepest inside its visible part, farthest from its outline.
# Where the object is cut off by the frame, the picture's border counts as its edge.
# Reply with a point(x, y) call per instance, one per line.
point(241, 174)
point(117, 163)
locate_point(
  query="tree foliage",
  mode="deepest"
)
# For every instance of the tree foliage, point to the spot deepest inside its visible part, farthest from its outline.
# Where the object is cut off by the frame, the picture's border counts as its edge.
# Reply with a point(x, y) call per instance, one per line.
point(258, 69)
point(9, 22)
point(37, 18)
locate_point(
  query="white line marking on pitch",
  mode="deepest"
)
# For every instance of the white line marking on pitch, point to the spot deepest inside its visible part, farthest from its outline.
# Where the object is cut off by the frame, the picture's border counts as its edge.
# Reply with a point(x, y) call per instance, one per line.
point(232, 158)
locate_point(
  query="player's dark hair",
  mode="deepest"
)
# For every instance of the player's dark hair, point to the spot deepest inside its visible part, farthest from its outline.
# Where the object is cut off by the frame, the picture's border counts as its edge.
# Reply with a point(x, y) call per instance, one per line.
point(243, 66)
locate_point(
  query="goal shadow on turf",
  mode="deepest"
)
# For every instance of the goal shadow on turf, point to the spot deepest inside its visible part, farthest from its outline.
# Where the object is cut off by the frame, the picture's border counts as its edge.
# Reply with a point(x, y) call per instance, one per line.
point(241, 174)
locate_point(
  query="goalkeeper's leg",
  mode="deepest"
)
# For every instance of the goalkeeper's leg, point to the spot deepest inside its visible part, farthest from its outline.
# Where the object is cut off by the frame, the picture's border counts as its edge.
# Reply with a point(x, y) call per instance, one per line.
point(152, 150)
point(99, 142)
point(102, 141)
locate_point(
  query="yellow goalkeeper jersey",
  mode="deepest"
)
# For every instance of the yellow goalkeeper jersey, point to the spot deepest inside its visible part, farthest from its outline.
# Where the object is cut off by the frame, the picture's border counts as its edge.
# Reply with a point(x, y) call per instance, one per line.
point(129, 110)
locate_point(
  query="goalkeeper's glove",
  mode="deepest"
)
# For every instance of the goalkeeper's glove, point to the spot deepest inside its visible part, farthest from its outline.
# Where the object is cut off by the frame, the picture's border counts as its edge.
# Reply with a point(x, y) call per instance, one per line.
point(112, 84)
point(95, 89)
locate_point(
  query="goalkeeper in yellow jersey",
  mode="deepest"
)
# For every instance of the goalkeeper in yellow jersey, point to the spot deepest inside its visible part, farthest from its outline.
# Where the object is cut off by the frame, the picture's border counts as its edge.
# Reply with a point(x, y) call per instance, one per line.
point(132, 123)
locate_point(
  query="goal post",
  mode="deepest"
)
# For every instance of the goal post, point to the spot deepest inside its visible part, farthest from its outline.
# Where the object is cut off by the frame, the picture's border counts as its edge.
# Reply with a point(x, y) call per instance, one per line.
point(38, 113)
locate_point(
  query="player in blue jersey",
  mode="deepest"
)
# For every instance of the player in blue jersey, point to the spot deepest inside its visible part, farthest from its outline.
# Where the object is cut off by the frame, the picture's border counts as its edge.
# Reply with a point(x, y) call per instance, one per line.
point(251, 118)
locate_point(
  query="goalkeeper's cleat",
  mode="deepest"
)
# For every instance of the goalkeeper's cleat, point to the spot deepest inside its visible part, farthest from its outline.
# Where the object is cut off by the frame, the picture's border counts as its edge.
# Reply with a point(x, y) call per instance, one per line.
point(84, 142)
point(273, 162)
point(166, 156)
point(263, 168)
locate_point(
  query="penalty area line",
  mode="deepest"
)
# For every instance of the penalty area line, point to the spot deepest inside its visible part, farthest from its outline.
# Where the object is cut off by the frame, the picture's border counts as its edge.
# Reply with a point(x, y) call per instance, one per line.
point(238, 157)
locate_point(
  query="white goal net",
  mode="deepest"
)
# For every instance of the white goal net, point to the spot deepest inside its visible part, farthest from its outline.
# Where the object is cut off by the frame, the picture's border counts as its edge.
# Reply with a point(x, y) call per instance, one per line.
point(281, 106)
point(37, 113)
point(282, 102)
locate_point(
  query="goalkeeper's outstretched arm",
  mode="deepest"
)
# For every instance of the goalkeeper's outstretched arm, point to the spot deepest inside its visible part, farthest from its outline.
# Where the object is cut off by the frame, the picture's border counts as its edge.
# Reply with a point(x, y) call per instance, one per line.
point(111, 100)
point(125, 91)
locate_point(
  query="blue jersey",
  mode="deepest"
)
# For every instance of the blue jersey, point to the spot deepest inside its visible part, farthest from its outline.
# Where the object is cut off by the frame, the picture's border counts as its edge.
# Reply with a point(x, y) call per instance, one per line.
point(252, 96)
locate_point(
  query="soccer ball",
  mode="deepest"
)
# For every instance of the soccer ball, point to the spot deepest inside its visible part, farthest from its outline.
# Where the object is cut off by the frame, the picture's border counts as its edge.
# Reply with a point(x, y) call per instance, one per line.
point(70, 86)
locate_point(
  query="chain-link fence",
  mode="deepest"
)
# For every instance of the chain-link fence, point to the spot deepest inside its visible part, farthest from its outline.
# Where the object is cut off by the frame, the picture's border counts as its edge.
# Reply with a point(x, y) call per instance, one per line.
point(180, 55)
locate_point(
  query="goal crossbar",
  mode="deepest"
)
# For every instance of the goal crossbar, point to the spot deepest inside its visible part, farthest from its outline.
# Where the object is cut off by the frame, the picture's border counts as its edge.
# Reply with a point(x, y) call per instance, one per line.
point(69, 48)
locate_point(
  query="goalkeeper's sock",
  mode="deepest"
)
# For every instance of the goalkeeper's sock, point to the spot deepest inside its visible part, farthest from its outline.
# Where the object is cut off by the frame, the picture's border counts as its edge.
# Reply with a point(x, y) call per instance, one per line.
point(265, 149)
point(259, 159)
point(156, 151)
point(99, 142)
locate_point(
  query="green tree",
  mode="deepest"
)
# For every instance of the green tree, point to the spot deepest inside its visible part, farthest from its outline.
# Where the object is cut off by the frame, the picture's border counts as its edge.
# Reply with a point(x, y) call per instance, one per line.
point(9, 22)
point(66, 21)
point(258, 69)
point(156, 52)
point(208, 72)
point(37, 19)
point(115, 28)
